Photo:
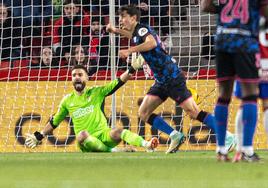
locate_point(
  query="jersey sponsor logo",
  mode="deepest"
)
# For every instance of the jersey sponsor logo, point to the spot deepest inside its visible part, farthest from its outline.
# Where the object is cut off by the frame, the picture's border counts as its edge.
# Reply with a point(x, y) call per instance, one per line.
point(80, 112)
point(143, 31)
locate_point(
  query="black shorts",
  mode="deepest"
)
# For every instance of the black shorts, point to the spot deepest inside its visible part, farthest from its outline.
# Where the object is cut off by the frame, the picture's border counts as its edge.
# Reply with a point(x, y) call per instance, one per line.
point(242, 66)
point(175, 89)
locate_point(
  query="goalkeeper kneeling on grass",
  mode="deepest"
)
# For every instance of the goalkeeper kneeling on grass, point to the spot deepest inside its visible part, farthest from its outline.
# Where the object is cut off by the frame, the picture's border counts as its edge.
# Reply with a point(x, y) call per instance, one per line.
point(90, 124)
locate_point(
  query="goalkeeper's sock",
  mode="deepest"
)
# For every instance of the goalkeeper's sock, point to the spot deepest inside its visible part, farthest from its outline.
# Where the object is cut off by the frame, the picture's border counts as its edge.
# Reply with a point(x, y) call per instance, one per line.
point(92, 144)
point(221, 116)
point(249, 116)
point(132, 138)
point(208, 119)
point(158, 123)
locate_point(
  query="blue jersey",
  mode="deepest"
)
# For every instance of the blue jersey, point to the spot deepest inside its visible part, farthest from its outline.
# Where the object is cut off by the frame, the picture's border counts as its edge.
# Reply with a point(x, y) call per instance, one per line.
point(162, 64)
point(238, 25)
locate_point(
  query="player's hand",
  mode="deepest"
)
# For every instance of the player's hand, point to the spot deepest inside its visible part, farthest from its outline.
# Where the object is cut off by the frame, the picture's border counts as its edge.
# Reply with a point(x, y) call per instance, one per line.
point(138, 62)
point(124, 53)
point(32, 140)
point(110, 28)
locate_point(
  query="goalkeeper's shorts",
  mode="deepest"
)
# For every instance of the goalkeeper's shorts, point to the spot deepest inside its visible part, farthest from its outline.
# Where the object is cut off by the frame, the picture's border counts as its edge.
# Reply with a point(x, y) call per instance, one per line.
point(104, 137)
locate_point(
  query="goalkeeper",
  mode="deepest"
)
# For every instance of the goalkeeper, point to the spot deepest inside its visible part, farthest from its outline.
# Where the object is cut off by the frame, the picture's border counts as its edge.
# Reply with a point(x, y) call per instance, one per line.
point(90, 124)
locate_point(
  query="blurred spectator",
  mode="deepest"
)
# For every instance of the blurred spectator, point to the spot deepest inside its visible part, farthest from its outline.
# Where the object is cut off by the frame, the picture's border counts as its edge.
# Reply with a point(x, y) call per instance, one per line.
point(10, 39)
point(32, 15)
point(70, 29)
point(46, 60)
point(99, 43)
point(97, 7)
point(148, 8)
point(80, 56)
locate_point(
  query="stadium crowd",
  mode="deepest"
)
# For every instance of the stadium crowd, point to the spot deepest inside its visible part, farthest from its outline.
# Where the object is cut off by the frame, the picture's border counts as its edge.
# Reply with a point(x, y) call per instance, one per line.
point(63, 33)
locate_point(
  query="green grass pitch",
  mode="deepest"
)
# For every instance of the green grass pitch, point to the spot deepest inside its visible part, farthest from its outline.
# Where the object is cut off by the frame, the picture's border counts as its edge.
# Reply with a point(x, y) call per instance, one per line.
point(183, 169)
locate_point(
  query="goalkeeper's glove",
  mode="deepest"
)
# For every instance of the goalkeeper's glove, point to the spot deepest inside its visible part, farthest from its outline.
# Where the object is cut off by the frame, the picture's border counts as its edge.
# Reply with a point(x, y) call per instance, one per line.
point(32, 140)
point(136, 64)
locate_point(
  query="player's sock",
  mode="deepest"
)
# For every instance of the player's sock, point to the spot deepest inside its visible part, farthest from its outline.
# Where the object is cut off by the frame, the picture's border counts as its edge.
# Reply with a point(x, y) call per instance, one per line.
point(208, 119)
point(95, 145)
point(239, 130)
point(249, 116)
point(132, 138)
point(265, 120)
point(221, 116)
point(158, 123)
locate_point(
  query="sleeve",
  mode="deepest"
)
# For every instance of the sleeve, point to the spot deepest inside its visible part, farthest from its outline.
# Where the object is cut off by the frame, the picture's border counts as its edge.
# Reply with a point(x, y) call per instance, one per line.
point(143, 32)
point(111, 87)
point(61, 113)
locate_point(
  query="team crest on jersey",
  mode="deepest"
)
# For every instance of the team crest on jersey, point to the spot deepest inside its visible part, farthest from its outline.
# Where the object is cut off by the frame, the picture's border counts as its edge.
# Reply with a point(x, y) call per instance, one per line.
point(143, 31)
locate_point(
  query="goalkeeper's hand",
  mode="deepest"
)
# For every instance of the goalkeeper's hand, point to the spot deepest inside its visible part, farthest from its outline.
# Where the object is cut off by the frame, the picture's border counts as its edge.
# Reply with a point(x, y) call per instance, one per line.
point(137, 63)
point(32, 140)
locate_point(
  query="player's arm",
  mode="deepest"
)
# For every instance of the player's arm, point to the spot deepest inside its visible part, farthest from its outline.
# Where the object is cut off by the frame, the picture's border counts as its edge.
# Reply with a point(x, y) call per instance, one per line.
point(111, 29)
point(208, 6)
point(32, 140)
point(114, 85)
point(149, 44)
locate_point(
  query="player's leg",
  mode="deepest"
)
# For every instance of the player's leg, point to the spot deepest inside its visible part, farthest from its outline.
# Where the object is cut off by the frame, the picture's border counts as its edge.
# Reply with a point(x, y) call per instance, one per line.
point(248, 76)
point(263, 87)
point(238, 124)
point(89, 143)
point(112, 137)
point(225, 77)
point(151, 101)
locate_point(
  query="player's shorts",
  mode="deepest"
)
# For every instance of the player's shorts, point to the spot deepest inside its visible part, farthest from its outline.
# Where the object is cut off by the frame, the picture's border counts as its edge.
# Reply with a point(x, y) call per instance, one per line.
point(263, 90)
point(175, 89)
point(104, 137)
point(241, 65)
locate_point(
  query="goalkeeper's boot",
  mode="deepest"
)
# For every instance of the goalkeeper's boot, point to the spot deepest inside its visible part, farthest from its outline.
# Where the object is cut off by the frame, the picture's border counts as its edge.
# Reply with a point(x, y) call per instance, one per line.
point(152, 144)
point(230, 141)
point(176, 143)
point(237, 157)
point(252, 158)
point(222, 157)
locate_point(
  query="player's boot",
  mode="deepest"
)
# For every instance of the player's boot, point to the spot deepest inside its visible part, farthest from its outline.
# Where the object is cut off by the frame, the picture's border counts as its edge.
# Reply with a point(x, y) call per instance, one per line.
point(237, 157)
point(176, 143)
point(222, 157)
point(152, 144)
point(252, 158)
point(230, 141)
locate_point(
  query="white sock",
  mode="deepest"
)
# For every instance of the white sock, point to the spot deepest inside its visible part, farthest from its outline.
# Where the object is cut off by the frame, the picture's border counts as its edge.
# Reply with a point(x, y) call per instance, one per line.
point(239, 129)
point(144, 143)
point(265, 120)
point(221, 149)
point(174, 135)
point(248, 150)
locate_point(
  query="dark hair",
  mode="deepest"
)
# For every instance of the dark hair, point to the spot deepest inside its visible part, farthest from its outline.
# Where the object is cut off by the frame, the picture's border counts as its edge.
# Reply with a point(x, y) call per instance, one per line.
point(67, 2)
point(80, 67)
point(131, 10)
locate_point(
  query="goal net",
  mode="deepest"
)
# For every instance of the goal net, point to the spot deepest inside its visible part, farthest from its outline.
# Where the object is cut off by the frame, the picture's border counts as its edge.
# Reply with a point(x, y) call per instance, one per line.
point(41, 42)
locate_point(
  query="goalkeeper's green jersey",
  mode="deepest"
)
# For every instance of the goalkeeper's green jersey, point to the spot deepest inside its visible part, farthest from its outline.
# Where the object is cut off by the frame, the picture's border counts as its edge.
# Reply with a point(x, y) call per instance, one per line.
point(85, 110)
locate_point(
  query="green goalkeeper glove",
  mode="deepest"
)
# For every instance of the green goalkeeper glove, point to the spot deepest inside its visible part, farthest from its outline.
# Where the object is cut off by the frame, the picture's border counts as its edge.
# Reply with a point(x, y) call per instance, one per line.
point(136, 64)
point(32, 140)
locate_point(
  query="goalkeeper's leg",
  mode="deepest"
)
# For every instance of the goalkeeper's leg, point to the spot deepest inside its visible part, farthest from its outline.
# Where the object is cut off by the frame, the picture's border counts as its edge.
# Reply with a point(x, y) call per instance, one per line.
point(132, 138)
point(89, 143)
